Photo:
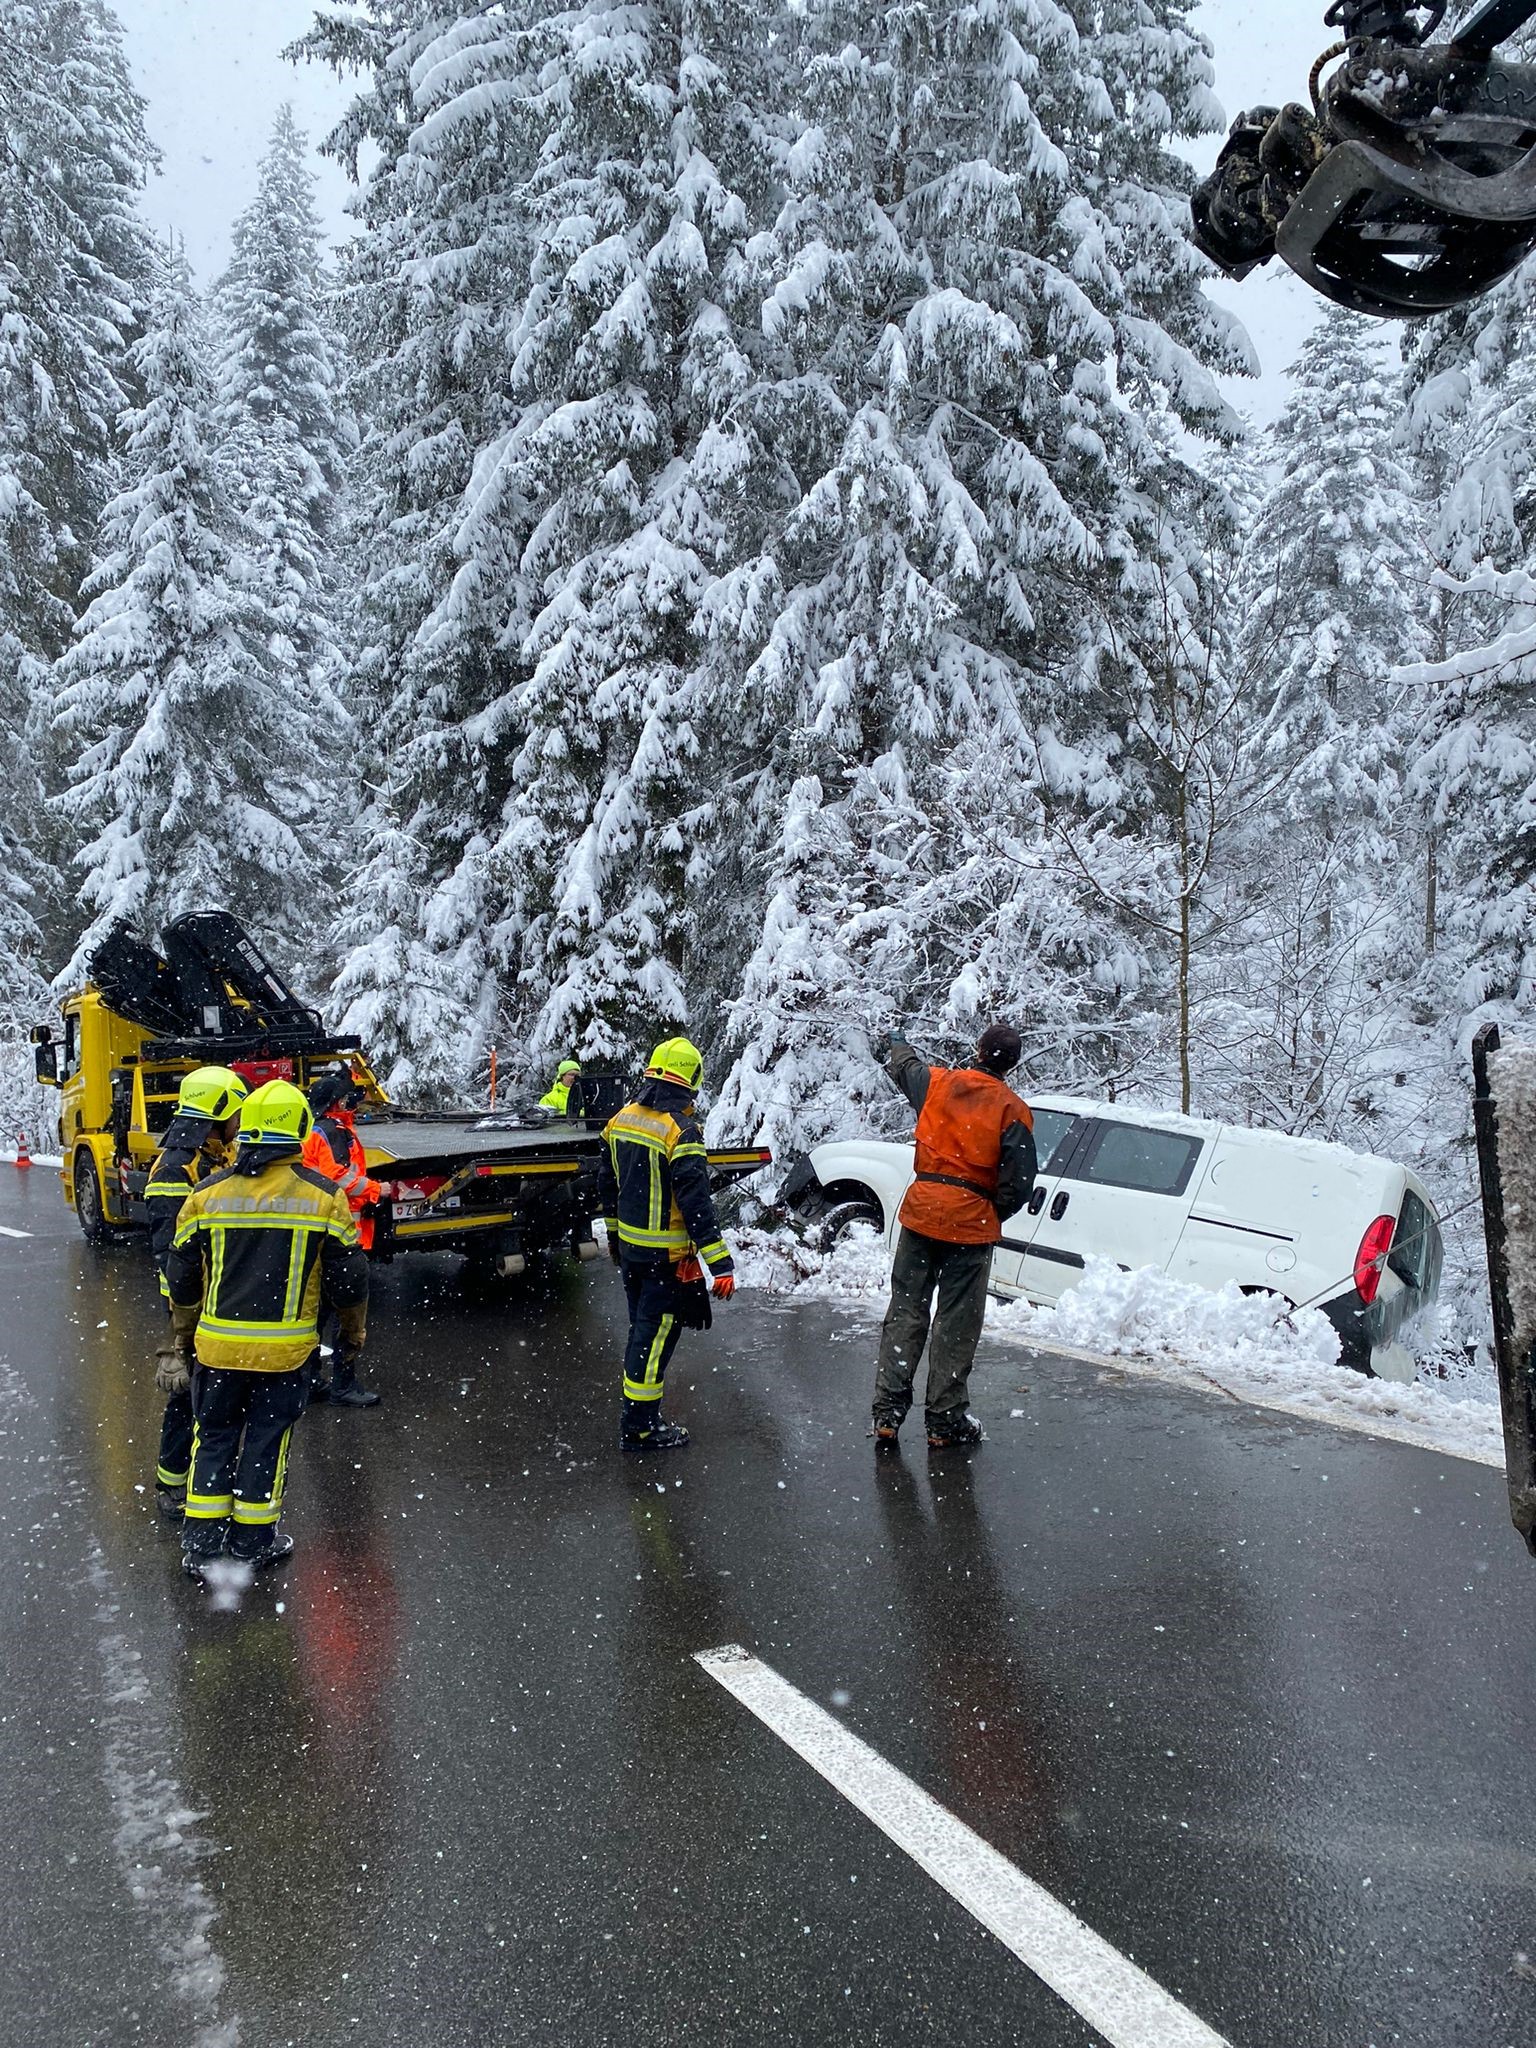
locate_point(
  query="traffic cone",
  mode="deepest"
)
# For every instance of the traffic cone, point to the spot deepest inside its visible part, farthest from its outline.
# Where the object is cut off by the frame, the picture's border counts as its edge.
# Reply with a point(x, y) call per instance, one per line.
point(23, 1151)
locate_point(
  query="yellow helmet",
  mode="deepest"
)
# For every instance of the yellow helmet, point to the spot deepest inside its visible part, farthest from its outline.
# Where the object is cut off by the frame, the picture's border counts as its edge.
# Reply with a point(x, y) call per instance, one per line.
point(210, 1094)
point(275, 1114)
point(676, 1059)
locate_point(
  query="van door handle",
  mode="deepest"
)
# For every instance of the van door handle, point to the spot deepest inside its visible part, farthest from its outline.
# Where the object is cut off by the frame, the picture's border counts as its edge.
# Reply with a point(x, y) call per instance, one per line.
point(1036, 1201)
point(1059, 1207)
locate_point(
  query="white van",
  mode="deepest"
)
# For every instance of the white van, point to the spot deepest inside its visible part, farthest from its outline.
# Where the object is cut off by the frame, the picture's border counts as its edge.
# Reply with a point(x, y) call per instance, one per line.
point(1322, 1226)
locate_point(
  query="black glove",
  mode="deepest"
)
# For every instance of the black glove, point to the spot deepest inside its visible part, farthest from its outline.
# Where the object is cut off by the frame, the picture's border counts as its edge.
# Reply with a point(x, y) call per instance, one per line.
point(615, 1250)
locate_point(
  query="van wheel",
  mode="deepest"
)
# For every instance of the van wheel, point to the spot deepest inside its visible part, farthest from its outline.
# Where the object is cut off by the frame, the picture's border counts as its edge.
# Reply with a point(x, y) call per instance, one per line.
point(90, 1209)
point(1270, 1294)
point(840, 1220)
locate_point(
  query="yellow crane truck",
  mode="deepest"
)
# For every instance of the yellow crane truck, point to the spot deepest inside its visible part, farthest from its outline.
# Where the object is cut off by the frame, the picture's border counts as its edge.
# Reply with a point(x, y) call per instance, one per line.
point(497, 1187)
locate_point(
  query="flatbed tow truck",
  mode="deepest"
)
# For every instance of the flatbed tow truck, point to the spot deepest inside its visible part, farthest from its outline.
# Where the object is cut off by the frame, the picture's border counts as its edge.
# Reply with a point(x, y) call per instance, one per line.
point(498, 1186)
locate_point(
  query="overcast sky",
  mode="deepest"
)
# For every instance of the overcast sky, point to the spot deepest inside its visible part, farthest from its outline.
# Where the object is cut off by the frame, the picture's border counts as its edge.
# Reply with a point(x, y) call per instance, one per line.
point(213, 77)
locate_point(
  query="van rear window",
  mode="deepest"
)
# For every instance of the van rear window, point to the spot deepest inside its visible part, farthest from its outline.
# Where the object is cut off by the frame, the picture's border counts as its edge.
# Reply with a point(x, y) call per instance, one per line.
point(1135, 1156)
point(1415, 1253)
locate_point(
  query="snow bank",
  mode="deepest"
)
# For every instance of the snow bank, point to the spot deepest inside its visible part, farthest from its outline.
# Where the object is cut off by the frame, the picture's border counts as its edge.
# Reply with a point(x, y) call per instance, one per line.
point(1164, 1329)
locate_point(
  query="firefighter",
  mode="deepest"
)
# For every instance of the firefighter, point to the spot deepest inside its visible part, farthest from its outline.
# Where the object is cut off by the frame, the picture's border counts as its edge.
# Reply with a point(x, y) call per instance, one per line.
point(654, 1183)
point(196, 1143)
point(975, 1159)
point(258, 1251)
point(558, 1100)
point(334, 1149)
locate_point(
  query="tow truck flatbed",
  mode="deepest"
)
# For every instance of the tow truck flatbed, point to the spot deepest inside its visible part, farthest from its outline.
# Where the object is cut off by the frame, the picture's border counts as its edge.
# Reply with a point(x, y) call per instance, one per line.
point(496, 1187)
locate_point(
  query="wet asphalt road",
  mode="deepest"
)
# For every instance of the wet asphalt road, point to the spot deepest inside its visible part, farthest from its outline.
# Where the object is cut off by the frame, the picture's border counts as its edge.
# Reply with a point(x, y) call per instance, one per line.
point(1252, 1696)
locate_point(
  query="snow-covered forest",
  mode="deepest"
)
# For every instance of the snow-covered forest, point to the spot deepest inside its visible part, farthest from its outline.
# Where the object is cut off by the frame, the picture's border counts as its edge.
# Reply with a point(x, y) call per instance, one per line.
point(747, 538)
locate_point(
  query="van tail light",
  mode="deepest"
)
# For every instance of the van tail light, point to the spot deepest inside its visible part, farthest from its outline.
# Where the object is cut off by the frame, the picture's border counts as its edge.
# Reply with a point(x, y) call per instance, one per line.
point(1372, 1256)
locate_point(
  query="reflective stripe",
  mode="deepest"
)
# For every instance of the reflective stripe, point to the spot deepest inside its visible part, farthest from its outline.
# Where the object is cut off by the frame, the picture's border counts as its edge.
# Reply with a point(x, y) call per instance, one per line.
point(689, 1152)
point(171, 1190)
point(163, 1477)
point(297, 1249)
point(230, 1327)
point(649, 1389)
point(675, 1240)
point(209, 1507)
point(716, 1254)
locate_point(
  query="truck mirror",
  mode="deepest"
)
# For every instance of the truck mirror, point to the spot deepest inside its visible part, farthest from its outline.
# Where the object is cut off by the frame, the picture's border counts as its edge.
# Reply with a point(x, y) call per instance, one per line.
point(45, 1060)
point(41, 1034)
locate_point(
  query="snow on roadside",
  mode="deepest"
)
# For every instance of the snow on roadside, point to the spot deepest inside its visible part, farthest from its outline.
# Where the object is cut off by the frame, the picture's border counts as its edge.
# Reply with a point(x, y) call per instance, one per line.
point(1221, 1341)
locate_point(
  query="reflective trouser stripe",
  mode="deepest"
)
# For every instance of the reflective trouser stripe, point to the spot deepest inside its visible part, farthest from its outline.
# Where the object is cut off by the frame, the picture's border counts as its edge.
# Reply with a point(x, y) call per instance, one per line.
point(165, 1477)
point(649, 1389)
point(205, 1507)
point(259, 1512)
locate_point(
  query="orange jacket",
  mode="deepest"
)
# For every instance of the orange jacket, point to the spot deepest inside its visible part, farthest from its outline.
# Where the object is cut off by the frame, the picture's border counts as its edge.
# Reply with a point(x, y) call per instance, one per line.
point(975, 1151)
point(334, 1149)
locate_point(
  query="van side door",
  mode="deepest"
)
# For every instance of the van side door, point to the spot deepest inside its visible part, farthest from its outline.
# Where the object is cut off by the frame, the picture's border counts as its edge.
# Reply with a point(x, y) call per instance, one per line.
point(1122, 1194)
point(1058, 1136)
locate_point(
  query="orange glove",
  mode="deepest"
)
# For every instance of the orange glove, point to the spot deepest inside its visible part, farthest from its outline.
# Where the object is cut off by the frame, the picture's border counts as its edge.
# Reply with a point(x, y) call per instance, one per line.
point(724, 1287)
point(689, 1270)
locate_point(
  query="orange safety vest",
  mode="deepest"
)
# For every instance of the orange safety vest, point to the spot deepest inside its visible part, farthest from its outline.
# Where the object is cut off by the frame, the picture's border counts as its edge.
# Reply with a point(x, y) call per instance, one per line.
point(959, 1146)
point(351, 1173)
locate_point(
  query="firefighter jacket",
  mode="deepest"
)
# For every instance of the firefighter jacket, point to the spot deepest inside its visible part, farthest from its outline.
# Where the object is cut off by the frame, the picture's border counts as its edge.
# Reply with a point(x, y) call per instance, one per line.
point(258, 1251)
point(653, 1181)
point(190, 1152)
point(975, 1150)
point(334, 1149)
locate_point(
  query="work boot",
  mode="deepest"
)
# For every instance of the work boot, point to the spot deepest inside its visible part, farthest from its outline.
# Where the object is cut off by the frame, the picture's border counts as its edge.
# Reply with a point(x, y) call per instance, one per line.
point(278, 1546)
point(196, 1557)
point(170, 1503)
point(649, 1432)
point(959, 1427)
point(347, 1391)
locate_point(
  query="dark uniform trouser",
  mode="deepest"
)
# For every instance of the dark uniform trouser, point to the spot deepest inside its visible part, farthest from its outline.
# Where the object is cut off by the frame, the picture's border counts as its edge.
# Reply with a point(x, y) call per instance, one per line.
point(240, 1457)
point(175, 1462)
point(653, 1327)
point(959, 1273)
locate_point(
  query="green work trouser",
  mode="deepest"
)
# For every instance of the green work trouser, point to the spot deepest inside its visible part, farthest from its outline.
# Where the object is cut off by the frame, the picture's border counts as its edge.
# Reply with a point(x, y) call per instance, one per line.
point(959, 1274)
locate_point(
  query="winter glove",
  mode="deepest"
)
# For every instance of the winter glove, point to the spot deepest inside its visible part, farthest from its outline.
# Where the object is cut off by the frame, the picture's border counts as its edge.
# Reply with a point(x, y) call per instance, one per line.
point(724, 1287)
point(689, 1270)
point(352, 1330)
point(615, 1249)
point(173, 1370)
point(184, 1319)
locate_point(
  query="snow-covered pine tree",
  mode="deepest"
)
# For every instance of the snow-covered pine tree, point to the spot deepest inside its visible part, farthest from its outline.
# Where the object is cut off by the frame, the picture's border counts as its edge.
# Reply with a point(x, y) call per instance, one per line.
point(189, 772)
point(281, 412)
point(616, 491)
point(1336, 598)
point(978, 286)
point(428, 295)
point(75, 264)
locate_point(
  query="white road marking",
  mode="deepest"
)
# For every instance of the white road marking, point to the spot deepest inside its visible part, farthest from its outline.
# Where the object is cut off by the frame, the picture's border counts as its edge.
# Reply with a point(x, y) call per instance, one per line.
point(1104, 1987)
point(6, 1231)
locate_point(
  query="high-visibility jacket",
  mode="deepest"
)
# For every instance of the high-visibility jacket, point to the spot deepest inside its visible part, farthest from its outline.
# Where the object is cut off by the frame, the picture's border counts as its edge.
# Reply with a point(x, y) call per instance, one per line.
point(974, 1146)
point(558, 1100)
point(334, 1149)
point(258, 1250)
point(190, 1152)
point(654, 1181)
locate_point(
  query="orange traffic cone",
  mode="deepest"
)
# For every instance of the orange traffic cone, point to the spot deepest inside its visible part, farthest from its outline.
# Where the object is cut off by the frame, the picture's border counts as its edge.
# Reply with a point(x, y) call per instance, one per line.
point(23, 1151)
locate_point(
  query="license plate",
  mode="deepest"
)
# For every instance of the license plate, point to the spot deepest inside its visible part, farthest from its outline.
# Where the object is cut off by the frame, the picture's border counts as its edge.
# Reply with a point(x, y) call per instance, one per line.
point(408, 1208)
